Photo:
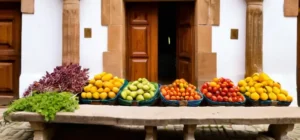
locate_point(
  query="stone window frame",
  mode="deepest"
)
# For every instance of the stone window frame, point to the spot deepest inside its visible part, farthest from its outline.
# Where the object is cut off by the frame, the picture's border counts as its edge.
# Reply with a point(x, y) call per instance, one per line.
point(207, 14)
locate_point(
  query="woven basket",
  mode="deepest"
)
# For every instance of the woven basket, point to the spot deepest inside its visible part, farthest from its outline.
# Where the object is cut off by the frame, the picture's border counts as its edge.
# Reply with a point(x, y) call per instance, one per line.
point(193, 103)
point(213, 103)
point(149, 102)
point(266, 102)
point(107, 101)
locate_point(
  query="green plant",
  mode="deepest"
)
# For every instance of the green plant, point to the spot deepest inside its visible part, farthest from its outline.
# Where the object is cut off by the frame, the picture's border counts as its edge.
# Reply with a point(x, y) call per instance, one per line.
point(46, 104)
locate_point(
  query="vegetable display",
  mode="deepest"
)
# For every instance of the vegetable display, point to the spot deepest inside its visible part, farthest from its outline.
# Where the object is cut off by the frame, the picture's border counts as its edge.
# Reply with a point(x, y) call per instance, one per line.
point(262, 90)
point(103, 86)
point(68, 78)
point(46, 104)
point(139, 90)
point(180, 89)
point(222, 90)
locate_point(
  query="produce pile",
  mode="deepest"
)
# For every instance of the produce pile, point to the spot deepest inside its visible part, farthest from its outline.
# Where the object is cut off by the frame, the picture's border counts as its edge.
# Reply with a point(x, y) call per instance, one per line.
point(261, 87)
point(222, 90)
point(102, 86)
point(139, 90)
point(180, 90)
point(46, 104)
point(68, 78)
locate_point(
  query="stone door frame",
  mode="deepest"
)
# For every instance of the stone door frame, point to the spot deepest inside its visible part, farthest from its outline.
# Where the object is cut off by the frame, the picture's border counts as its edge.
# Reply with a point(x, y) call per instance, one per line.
point(27, 6)
point(206, 15)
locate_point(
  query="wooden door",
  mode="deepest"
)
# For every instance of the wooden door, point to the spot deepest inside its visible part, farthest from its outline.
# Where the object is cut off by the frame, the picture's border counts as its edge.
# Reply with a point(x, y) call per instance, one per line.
point(185, 54)
point(10, 51)
point(141, 41)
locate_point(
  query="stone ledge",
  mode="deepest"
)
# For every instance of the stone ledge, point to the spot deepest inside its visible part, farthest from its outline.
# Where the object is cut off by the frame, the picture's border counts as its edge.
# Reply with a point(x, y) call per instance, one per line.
point(157, 116)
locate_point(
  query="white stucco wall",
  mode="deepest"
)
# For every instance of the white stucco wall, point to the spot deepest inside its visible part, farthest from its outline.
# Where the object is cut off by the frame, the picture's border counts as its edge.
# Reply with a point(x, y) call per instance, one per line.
point(42, 41)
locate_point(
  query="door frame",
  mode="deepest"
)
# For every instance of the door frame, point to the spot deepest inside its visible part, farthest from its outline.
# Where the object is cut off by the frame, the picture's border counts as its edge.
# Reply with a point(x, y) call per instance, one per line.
point(113, 15)
point(298, 58)
point(27, 6)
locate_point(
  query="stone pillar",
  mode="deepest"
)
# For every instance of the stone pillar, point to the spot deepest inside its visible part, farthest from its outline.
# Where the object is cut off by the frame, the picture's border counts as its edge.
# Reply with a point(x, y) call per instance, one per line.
point(254, 37)
point(70, 51)
point(42, 131)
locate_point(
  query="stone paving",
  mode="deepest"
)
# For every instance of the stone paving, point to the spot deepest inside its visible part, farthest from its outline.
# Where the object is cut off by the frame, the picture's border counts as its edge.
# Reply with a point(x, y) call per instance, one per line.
point(22, 131)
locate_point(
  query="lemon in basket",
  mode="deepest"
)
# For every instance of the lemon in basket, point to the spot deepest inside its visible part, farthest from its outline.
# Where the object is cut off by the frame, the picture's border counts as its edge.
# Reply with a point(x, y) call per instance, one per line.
point(98, 83)
point(254, 96)
point(289, 98)
point(93, 89)
point(272, 96)
point(88, 95)
point(111, 95)
point(115, 89)
point(264, 96)
point(92, 81)
point(96, 95)
point(83, 95)
point(281, 97)
point(103, 95)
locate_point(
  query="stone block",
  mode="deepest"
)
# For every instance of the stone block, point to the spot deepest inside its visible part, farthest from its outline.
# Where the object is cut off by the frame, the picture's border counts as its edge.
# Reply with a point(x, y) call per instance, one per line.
point(203, 38)
point(202, 12)
point(113, 63)
point(105, 12)
point(291, 8)
point(27, 6)
point(116, 40)
point(117, 12)
point(214, 15)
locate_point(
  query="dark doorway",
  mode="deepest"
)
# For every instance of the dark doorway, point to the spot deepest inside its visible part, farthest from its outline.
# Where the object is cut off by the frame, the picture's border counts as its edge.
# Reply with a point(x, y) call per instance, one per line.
point(166, 42)
point(160, 41)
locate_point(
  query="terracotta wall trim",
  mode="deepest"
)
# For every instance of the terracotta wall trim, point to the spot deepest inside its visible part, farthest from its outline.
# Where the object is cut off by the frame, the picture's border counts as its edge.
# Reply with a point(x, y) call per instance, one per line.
point(291, 8)
point(105, 12)
point(215, 12)
point(27, 6)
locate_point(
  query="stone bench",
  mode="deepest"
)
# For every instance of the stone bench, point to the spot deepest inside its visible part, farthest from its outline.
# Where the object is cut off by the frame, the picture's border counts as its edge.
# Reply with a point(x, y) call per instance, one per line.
point(281, 119)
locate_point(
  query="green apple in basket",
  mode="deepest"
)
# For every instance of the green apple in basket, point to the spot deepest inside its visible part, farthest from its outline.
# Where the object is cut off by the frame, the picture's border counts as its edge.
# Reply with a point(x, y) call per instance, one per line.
point(139, 90)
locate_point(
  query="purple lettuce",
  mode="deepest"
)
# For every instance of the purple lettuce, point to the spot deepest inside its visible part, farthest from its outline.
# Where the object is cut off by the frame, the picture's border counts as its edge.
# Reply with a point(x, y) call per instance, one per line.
point(68, 78)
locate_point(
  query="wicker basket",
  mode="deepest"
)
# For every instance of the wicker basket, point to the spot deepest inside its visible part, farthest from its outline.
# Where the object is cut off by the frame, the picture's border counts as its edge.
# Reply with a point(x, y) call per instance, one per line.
point(193, 103)
point(149, 102)
point(107, 101)
point(213, 103)
point(266, 102)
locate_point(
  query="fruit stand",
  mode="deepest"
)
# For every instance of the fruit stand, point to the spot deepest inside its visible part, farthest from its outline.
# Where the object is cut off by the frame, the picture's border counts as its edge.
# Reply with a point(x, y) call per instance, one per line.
point(68, 86)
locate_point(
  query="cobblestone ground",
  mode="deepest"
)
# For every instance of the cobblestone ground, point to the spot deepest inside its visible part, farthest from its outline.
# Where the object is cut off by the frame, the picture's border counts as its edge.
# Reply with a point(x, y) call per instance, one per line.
point(22, 131)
